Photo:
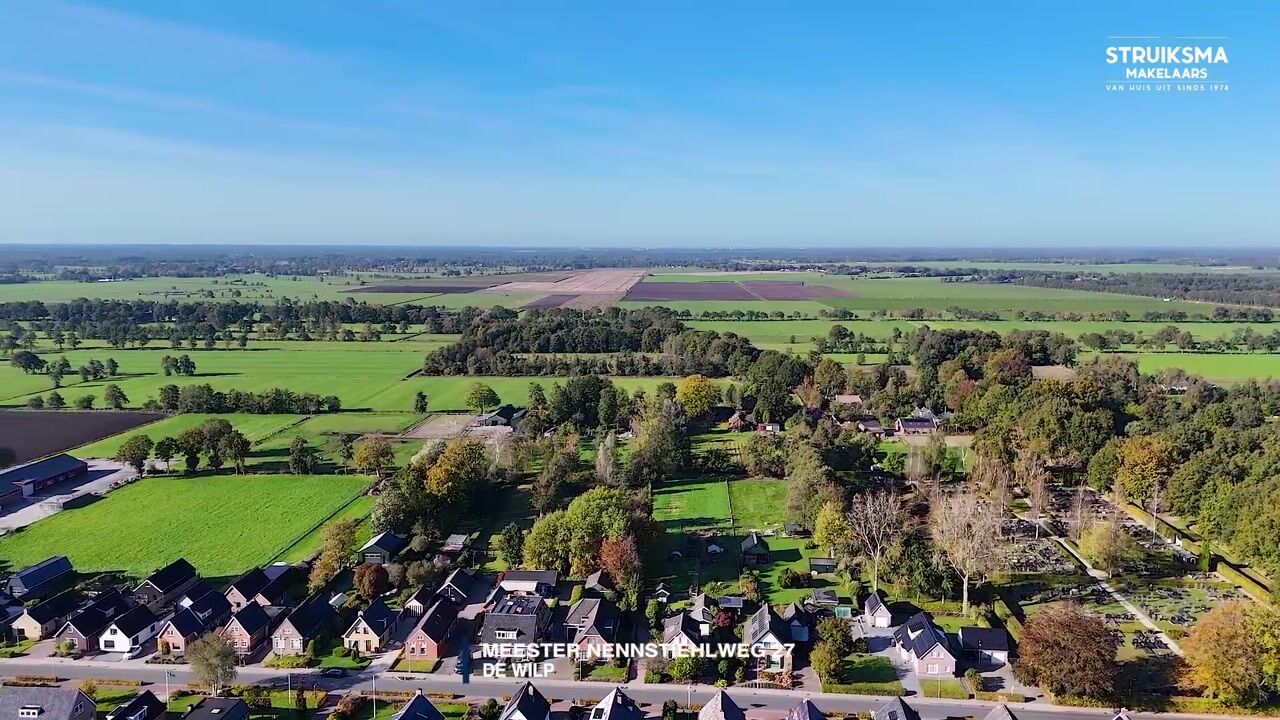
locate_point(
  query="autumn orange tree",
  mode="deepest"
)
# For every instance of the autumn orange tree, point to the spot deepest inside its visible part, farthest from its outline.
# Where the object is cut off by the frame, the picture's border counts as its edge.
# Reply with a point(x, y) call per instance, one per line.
point(1068, 651)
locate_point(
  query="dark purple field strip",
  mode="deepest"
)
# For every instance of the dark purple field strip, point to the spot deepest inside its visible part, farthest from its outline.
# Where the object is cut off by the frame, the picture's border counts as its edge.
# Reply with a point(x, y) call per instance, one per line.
point(34, 434)
point(791, 290)
point(548, 301)
point(689, 291)
point(419, 288)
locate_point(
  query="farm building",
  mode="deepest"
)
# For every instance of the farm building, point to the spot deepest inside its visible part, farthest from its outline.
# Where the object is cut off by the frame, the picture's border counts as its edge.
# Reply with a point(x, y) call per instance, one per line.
point(755, 550)
point(458, 585)
point(455, 544)
point(381, 549)
point(871, 426)
point(40, 579)
point(23, 481)
point(507, 415)
point(822, 565)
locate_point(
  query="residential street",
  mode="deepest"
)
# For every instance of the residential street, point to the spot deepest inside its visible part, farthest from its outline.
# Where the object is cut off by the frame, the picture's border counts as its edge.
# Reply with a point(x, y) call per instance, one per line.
point(759, 703)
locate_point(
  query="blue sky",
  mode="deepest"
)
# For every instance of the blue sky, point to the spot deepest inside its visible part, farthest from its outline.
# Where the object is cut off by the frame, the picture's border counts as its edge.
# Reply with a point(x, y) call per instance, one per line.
point(632, 124)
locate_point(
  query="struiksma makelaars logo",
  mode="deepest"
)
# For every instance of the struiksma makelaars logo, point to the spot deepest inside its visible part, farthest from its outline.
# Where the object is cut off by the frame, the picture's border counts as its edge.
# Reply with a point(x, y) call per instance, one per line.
point(1142, 63)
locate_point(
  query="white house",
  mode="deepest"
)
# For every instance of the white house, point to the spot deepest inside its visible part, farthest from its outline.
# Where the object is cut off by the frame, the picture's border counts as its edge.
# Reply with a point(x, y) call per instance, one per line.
point(136, 626)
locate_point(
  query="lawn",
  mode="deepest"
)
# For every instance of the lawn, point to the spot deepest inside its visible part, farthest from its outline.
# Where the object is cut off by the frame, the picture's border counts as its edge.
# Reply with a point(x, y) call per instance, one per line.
point(865, 675)
point(1223, 367)
point(308, 545)
point(949, 688)
point(17, 649)
point(282, 704)
point(685, 509)
point(221, 524)
point(758, 504)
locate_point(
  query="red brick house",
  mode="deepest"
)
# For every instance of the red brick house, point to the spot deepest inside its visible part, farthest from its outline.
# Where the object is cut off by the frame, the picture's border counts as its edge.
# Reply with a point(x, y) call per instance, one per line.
point(429, 639)
point(248, 629)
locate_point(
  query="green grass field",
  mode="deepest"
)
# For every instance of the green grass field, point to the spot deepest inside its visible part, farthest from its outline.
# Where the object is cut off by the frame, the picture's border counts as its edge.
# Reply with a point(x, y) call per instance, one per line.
point(1222, 367)
point(221, 524)
point(308, 545)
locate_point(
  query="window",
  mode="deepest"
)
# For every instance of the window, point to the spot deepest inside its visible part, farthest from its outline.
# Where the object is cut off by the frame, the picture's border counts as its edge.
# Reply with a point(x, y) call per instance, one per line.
point(932, 669)
point(505, 634)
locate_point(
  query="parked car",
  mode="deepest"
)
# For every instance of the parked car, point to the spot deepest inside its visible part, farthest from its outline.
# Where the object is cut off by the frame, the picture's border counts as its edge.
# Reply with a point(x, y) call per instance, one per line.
point(333, 672)
point(133, 652)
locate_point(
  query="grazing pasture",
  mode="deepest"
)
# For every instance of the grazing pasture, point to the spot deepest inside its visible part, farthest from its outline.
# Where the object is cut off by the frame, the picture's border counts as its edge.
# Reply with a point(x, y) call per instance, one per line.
point(222, 524)
point(254, 427)
point(35, 434)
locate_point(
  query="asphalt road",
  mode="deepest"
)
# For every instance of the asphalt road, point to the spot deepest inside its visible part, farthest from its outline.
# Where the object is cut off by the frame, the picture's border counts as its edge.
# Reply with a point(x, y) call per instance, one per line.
point(759, 703)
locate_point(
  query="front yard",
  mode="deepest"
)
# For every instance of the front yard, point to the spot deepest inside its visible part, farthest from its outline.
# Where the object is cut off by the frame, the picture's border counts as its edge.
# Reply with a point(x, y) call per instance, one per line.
point(865, 675)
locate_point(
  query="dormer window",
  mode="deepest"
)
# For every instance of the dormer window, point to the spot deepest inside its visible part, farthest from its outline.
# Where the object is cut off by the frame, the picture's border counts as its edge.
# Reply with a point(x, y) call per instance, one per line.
point(30, 711)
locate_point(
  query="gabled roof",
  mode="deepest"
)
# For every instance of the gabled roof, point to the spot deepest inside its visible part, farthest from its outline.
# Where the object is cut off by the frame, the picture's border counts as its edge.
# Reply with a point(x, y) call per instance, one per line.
point(197, 591)
point(616, 705)
point(765, 622)
point(895, 709)
point(805, 710)
point(874, 605)
point(1000, 712)
point(978, 638)
point(98, 614)
point(599, 581)
point(419, 707)
point(309, 618)
point(171, 576)
point(919, 635)
point(754, 543)
point(700, 608)
point(461, 580)
point(593, 616)
point(528, 703)
point(54, 703)
point(33, 576)
point(794, 614)
point(218, 708)
point(681, 625)
point(60, 605)
point(41, 469)
point(437, 620)
point(186, 623)
point(251, 618)
point(144, 706)
point(210, 605)
point(721, 707)
point(423, 596)
point(390, 543)
point(250, 583)
point(731, 602)
point(377, 616)
point(542, 577)
point(134, 620)
point(276, 591)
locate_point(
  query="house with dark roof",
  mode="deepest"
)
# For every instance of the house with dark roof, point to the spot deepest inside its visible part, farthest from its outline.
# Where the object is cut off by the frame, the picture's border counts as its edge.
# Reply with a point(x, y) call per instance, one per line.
point(250, 627)
point(144, 706)
point(457, 587)
point(516, 620)
point(381, 549)
point(243, 589)
point(307, 622)
point(871, 426)
point(508, 415)
point(914, 426)
point(681, 632)
point(529, 582)
point(218, 708)
point(598, 583)
point(166, 585)
point(805, 710)
point(755, 551)
point(420, 601)
point(527, 704)
point(44, 578)
point(41, 621)
point(372, 628)
point(799, 622)
point(36, 477)
point(429, 638)
point(131, 628)
point(616, 705)
point(211, 610)
point(85, 625)
point(39, 703)
point(875, 613)
point(419, 707)
point(925, 646)
point(985, 646)
point(721, 707)
point(895, 709)
point(592, 622)
point(198, 590)
point(767, 634)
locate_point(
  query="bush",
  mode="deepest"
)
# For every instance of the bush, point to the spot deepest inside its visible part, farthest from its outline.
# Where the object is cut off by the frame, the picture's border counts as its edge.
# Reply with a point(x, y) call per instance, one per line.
point(652, 677)
point(342, 651)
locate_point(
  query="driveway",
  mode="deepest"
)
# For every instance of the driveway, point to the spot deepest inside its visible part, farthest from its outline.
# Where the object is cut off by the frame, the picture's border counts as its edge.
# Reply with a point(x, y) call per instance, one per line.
point(102, 474)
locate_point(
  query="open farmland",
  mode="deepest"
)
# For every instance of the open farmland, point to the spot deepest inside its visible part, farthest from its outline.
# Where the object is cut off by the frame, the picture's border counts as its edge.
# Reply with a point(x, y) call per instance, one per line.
point(150, 523)
point(36, 434)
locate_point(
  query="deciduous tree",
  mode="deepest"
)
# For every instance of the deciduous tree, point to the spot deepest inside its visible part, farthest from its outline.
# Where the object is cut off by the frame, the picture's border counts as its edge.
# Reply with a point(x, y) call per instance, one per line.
point(1067, 651)
point(135, 451)
point(965, 532)
point(1224, 654)
point(875, 521)
point(481, 396)
point(213, 661)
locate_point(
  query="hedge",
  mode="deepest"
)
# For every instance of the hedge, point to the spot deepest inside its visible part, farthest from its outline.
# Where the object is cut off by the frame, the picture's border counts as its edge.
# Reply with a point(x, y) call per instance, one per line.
point(863, 689)
point(1003, 697)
